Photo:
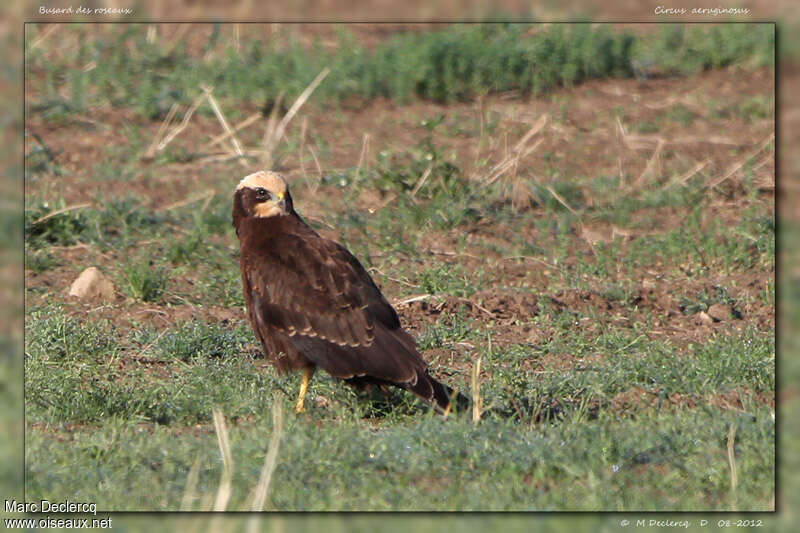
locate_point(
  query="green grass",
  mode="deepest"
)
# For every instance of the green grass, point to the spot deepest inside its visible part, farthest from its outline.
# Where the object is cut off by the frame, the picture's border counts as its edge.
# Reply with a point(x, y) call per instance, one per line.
point(452, 63)
point(451, 280)
point(447, 332)
point(704, 299)
point(752, 109)
point(345, 462)
point(416, 465)
point(627, 360)
point(40, 260)
point(113, 223)
point(142, 280)
point(679, 49)
point(54, 336)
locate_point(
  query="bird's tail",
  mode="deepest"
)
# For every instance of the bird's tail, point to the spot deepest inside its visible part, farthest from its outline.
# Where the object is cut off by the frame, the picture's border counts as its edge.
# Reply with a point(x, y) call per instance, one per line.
point(443, 398)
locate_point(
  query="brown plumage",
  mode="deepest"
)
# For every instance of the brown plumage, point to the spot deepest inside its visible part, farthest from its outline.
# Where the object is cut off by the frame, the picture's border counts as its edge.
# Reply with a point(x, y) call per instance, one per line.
point(312, 304)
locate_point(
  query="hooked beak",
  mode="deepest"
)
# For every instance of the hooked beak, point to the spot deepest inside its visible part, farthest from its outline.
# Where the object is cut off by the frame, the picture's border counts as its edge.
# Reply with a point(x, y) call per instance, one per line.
point(282, 202)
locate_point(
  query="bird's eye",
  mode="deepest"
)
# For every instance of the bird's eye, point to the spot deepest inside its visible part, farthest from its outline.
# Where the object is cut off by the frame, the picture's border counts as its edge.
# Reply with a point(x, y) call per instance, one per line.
point(261, 192)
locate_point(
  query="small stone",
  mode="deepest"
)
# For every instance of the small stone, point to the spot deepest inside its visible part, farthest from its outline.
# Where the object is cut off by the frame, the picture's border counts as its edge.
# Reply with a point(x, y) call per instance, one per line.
point(720, 312)
point(594, 237)
point(92, 284)
point(705, 318)
point(322, 402)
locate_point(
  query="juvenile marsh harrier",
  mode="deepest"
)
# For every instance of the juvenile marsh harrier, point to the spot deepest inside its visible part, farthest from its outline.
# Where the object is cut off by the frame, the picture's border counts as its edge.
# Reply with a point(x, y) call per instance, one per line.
point(312, 304)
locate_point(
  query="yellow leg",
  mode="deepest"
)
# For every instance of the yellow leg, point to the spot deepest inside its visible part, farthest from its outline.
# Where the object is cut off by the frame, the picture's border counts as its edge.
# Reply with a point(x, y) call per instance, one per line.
point(307, 373)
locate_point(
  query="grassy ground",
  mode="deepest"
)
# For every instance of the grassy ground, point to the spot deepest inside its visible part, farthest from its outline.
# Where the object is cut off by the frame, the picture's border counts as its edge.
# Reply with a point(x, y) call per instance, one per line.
point(607, 249)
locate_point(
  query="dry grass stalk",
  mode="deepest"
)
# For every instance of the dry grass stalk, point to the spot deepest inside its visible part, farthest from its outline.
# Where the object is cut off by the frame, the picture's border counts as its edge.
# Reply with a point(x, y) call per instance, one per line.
point(237, 146)
point(51, 29)
point(476, 306)
point(518, 152)
point(61, 211)
point(651, 163)
point(182, 126)
point(165, 124)
point(688, 175)
point(246, 123)
point(512, 160)
point(319, 220)
point(661, 105)
point(224, 490)
point(319, 169)
point(561, 200)
point(767, 159)
point(413, 299)
point(482, 121)
point(742, 162)
point(647, 142)
point(477, 400)
point(451, 253)
point(273, 140)
point(623, 132)
point(685, 99)
point(261, 490)
point(207, 195)
point(207, 501)
point(269, 132)
point(620, 140)
point(713, 139)
point(532, 258)
point(536, 128)
point(421, 181)
point(189, 495)
point(362, 155)
point(300, 152)
point(589, 236)
point(214, 158)
point(176, 38)
point(522, 195)
point(392, 197)
point(765, 182)
point(152, 343)
point(732, 464)
point(482, 115)
point(396, 280)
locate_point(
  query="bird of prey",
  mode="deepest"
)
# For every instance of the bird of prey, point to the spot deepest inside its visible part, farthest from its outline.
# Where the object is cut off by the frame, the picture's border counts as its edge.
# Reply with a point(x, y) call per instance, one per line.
point(312, 304)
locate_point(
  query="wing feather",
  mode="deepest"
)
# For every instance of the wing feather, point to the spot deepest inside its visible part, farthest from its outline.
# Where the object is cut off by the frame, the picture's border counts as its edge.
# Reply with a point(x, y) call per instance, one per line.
point(310, 285)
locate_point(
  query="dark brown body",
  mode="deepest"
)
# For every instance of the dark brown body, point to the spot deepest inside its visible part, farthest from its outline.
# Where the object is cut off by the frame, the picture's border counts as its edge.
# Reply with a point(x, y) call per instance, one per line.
point(312, 304)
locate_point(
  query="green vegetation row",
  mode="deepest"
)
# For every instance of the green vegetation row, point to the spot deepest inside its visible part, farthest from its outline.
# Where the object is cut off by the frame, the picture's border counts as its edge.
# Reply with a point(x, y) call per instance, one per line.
point(451, 63)
point(205, 249)
point(655, 462)
point(83, 372)
point(563, 431)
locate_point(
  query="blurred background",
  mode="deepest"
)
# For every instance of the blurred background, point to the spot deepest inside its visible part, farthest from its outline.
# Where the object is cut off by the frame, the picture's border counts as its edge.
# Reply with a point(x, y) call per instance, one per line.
point(11, 236)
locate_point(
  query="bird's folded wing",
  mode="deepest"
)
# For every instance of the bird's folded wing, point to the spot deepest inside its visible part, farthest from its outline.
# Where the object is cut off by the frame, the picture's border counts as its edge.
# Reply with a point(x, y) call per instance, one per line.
point(315, 288)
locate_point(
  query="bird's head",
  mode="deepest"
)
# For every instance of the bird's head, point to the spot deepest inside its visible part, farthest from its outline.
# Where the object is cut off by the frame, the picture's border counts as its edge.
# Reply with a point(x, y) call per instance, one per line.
point(262, 194)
